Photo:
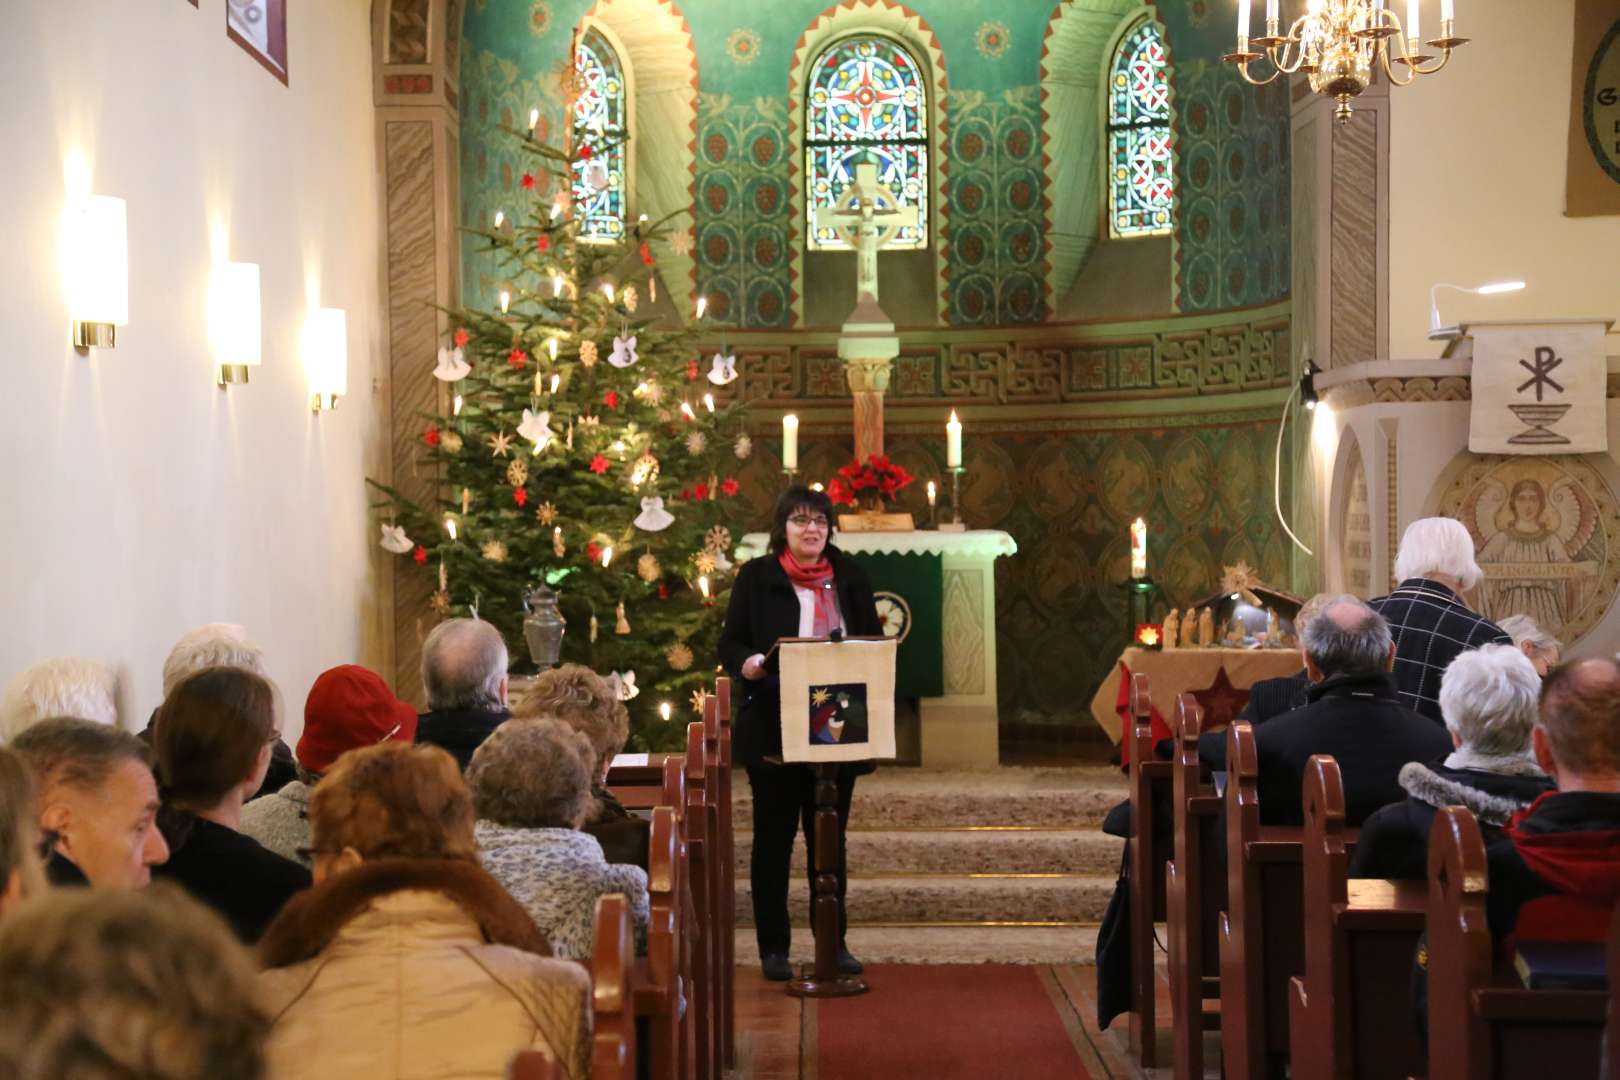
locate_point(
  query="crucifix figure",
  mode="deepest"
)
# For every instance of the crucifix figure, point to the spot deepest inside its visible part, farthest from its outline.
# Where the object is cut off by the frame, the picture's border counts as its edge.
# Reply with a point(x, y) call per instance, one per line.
point(866, 217)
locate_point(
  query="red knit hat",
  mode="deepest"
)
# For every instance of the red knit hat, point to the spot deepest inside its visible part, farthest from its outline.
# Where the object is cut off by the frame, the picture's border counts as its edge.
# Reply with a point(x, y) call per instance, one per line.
point(350, 707)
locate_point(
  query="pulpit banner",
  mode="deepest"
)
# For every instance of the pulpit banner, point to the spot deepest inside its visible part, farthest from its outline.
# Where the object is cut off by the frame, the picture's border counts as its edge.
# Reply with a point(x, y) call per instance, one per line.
point(1538, 389)
point(837, 699)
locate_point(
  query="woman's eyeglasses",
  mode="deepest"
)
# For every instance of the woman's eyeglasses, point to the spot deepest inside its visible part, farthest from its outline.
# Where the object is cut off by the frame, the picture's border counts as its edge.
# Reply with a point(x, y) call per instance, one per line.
point(805, 521)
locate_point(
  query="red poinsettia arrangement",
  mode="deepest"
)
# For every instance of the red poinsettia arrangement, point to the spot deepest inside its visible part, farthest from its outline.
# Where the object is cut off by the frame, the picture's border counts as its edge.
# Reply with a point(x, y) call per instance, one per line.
point(878, 480)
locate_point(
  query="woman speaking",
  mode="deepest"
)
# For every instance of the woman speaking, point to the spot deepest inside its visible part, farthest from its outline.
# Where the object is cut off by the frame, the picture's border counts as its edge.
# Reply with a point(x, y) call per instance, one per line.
point(805, 587)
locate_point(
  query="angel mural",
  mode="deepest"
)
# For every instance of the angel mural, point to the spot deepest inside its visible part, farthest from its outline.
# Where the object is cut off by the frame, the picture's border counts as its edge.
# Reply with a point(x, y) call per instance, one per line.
point(1538, 544)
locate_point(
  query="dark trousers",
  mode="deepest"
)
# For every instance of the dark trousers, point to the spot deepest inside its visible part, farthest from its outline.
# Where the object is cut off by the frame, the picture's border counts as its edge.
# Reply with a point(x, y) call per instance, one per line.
point(785, 798)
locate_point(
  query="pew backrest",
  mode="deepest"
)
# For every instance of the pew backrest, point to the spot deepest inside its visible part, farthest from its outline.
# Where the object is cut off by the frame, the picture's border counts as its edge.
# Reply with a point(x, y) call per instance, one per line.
point(533, 1065)
point(1149, 791)
point(613, 1044)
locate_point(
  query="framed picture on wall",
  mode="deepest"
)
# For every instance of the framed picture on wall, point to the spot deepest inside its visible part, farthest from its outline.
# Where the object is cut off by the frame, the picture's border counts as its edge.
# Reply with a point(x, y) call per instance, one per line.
point(260, 27)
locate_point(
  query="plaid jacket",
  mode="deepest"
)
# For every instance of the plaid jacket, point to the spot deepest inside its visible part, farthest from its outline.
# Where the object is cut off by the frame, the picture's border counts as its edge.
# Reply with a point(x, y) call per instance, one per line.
point(1431, 627)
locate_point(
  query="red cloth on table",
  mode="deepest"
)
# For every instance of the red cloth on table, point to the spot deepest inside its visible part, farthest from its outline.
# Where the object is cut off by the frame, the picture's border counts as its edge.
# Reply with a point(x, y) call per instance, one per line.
point(1122, 706)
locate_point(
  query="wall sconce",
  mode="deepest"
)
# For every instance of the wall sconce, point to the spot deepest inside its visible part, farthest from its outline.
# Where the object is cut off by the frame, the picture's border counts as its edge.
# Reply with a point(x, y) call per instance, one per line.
point(234, 321)
point(95, 250)
point(326, 356)
point(1437, 331)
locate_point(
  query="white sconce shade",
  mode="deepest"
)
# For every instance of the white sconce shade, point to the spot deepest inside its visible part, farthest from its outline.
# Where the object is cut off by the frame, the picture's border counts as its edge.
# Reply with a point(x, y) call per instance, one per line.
point(326, 356)
point(95, 252)
point(234, 320)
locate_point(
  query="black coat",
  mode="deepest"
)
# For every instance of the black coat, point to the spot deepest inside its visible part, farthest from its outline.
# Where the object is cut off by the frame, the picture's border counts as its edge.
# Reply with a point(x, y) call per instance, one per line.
point(1359, 720)
point(235, 875)
point(763, 609)
point(1273, 697)
point(1394, 842)
point(459, 731)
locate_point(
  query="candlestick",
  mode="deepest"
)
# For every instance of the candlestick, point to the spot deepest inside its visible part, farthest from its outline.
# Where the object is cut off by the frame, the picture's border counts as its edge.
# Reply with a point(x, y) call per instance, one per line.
point(956, 523)
point(790, 443)
point(933, 510)
point(1138, 548)
point(953, 442)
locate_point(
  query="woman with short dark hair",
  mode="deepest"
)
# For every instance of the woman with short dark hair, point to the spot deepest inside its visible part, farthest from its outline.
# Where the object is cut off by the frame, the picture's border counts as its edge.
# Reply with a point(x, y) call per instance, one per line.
point(214, 736)
point(805, 587)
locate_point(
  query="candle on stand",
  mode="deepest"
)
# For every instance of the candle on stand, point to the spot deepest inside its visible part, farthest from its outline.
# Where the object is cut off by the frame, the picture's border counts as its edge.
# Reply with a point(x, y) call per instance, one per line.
point(953, 442)
point(790, 442)
point(1448, 10)
point(1138, 548)
point(931, 493)
point(1271, 14)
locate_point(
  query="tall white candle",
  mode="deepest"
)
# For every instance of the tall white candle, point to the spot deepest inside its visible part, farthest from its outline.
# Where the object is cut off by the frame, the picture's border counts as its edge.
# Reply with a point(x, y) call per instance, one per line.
point(932, 494)
point(953, 442)
point(1448, 10)
point(1271, 12)
point(790, 441)
point(1139, 548)
point(1413, 35)
point(1243, 18)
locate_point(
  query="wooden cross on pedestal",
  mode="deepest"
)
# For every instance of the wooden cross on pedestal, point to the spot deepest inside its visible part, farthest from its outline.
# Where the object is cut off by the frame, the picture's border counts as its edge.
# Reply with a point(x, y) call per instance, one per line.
point(866, 216)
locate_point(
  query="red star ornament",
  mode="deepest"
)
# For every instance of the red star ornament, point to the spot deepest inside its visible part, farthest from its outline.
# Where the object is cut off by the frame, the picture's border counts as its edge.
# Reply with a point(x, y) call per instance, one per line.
point(729, 486)
point(431, 435)
point(1221, 701)
point(691, 370)
point(646, 255)
point(520, 496)
point(701, 491)
point(600, 464)
point(462, 337)
point(593, 551)
point(420, 555)
point(611, 399)
point(517, 357)
point(542, 242)
point(528, 181)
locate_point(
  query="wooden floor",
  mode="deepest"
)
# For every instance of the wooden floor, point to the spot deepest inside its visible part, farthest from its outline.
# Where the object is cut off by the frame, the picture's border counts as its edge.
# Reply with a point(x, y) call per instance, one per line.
point(776, 1034)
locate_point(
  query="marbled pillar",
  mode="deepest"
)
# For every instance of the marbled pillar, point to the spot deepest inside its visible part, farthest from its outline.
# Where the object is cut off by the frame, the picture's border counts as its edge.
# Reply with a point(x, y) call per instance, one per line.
point(414, 70)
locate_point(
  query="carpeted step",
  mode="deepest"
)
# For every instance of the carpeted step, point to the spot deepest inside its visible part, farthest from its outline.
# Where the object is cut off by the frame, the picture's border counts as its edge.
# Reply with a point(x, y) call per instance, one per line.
point(947, 945)
point(900, 797)
point(1003, 849)
point(954, 899)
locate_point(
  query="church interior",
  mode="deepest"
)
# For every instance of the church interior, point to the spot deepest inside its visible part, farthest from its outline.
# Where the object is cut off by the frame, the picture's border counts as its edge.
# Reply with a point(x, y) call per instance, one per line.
point(1116, 343)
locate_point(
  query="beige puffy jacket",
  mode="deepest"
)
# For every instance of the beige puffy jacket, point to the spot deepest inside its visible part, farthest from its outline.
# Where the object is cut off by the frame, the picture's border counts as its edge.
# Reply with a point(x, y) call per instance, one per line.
point(408, 969)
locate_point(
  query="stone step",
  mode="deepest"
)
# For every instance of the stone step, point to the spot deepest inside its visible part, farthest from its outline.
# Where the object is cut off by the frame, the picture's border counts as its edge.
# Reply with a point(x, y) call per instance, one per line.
point(982, 849)
point(900, 797)
point(947, 945)
point(955, 900)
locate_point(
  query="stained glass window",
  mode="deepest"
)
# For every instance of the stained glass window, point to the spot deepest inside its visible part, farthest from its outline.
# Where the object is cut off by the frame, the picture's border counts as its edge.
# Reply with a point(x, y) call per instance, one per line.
point(866, 100)
point(1141, 171)
point(599, 134)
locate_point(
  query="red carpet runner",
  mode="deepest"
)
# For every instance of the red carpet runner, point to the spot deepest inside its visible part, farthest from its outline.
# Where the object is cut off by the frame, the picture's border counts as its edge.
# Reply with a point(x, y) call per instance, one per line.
point(950, 1022)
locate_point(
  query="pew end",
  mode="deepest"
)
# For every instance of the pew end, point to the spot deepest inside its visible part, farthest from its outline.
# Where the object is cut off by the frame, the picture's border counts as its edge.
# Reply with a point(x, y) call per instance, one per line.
point(533, 1065)
point(613, 1044)
point(1149, 797)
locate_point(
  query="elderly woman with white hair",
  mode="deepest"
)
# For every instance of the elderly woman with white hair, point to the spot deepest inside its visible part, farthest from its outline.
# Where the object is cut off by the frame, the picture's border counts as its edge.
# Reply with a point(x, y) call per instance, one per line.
point(1431, 624)
point(1489, 698)
point(69, 686)
point(1543, 650)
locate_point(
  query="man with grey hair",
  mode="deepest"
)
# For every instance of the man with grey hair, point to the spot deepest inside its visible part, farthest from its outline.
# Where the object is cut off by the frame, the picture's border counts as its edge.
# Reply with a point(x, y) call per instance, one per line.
point(62, 686)
point(464, 676)
point(1488, 697)
point(1352, 712)
point(1430, 623)
point(1273, 697)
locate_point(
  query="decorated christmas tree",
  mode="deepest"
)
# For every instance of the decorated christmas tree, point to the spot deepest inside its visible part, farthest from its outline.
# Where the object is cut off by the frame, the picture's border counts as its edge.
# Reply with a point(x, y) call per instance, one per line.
point(586, 446)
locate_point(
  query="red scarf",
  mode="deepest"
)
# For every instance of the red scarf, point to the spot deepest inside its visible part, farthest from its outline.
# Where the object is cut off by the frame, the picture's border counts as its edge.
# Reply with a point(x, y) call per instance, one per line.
point(818, 578)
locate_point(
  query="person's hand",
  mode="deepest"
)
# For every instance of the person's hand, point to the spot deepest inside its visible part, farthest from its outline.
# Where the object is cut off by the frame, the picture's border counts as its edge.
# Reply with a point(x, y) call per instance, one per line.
point(754, 667)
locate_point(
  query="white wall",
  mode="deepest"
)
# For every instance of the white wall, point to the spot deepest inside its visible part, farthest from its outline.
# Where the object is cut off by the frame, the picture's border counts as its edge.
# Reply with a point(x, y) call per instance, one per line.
point(1477, 160)
point(137, 499)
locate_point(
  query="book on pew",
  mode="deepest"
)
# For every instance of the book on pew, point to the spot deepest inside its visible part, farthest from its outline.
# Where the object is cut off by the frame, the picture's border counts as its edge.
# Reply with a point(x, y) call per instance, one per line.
point(1561, 965)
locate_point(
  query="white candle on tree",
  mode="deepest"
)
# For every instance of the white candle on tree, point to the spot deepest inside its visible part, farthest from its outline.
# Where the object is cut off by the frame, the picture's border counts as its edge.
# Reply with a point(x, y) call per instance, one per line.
point(1139, 548)
point(790, 441)
point(953, 442)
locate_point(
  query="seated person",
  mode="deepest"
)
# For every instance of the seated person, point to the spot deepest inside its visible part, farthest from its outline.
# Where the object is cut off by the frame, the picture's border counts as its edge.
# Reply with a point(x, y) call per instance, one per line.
point(531, 784)
point(64, 686)
point(1543, 650)
point(578, 697)
point(142, 985)
point(1567, 844)
point(348, 707)
point(213, 736)
point(97, 803)
point(464, 676)
point(1273, 697)
point(1354, 713)
point(20, 873)
point(1488, 698)
point(406, 958)
point(216, 645)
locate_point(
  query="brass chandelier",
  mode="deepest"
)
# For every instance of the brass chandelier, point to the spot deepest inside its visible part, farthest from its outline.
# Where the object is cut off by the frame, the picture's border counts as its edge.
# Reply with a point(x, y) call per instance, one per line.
point(1336, 43)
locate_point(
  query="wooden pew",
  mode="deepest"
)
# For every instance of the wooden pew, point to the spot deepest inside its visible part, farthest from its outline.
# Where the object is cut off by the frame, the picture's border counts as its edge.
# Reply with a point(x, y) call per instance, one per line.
point(1191, 896)
point(719, 929)
point(1612, 1052)
point(1483, 1023)
point(533, 1065)
point(658, 979)
point(613, 1017)
point(1150, 796)
point(674, 796)
point(702, 999)
point(727, 860)
point(1348, 1011)
point(1262, 943)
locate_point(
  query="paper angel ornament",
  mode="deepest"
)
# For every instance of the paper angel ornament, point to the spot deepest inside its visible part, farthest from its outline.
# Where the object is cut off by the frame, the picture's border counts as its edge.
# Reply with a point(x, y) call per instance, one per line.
point(536, 426)
point(395, 540)
point(653, 516)
point(724, 370)
point(452, 366)
point(624, 682)
point(624, 352)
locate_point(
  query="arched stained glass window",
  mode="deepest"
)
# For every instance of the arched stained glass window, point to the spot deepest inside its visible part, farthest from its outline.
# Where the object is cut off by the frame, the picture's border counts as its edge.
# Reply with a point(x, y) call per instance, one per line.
point(599, 140)
point(866, 100)
point(1141, 171)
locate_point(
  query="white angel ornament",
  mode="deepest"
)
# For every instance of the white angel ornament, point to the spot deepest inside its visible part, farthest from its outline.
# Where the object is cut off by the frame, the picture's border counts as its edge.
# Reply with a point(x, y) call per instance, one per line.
point(624, 684)
point(453, 366)
point(395, 540)
point(653, 516)
point(536, 427)
point(724, 370)
point(624, 352)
